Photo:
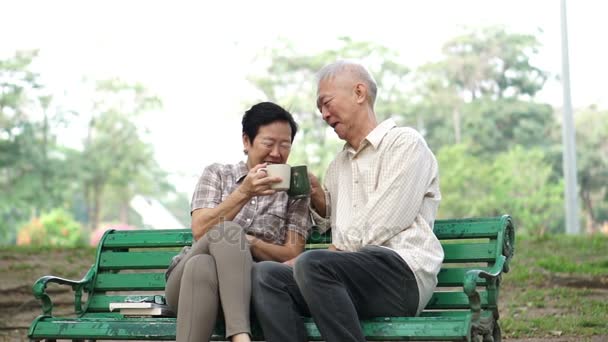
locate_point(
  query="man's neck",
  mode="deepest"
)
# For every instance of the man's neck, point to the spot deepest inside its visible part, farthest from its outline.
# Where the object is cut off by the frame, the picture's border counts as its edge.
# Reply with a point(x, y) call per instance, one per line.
point(363, 131)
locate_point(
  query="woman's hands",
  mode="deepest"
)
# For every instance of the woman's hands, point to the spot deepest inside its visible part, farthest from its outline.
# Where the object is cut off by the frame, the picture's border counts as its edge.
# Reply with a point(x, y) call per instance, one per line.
point(257, 182)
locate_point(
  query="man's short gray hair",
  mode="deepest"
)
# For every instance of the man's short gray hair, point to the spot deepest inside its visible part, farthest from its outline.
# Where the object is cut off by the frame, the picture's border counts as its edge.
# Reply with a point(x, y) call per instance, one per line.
point(357, 70)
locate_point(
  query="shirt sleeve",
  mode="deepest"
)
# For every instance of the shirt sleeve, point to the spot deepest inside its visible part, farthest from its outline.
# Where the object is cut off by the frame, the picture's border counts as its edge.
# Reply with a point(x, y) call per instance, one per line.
point(298, 216)
point(407, 170)
point(208, 190)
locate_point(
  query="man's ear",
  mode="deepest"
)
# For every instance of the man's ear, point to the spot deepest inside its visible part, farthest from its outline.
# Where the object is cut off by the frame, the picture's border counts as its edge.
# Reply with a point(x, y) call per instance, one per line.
point(361, 93)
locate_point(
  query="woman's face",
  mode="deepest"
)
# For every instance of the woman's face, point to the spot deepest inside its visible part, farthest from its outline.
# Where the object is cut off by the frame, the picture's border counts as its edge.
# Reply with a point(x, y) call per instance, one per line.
point(271, 145)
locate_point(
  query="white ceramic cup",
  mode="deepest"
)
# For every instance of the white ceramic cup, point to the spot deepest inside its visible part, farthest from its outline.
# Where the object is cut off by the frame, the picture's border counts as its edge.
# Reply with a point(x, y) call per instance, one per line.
point(279, 170)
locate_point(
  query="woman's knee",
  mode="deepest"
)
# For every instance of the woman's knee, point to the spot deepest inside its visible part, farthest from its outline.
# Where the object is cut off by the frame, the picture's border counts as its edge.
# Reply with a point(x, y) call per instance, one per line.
point(200, 269)
point(227, 233)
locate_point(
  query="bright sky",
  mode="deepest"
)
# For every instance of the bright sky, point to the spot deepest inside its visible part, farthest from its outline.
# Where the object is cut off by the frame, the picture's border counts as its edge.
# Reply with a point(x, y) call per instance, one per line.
point(196, 54)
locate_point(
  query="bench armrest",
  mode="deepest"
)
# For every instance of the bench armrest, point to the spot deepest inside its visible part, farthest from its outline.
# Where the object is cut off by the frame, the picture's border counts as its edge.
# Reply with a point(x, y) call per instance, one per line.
point(492, 278)
point(39, 290)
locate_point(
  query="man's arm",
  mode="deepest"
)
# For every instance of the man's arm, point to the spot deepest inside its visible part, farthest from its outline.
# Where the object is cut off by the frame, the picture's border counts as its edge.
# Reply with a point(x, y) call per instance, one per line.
point(293, 246)
point(405, 176)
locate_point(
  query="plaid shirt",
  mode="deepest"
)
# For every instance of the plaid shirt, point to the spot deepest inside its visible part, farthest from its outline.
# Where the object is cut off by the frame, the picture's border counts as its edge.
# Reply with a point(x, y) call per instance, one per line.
point(266, 217)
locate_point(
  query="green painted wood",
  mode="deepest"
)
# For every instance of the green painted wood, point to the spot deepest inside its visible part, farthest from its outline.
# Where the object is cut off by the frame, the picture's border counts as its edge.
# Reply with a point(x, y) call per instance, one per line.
point(455, 276)
point(100, 302)
point(135, 260)
point(454, 301)
point(469, 252)
point(102, 327)
point(148, 238)
point(468, 229)
point(130, 281)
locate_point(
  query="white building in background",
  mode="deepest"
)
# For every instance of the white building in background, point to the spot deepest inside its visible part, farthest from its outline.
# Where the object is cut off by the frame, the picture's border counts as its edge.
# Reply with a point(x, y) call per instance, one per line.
point(154, 215)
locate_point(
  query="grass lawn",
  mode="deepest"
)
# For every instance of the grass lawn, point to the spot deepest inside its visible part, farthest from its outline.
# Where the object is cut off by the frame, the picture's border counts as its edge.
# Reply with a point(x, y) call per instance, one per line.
point(558, 286)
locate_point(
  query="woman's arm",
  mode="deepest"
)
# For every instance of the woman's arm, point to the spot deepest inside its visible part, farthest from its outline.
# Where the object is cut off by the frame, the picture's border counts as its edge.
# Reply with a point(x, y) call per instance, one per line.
point(255, 184)
point(293, 246)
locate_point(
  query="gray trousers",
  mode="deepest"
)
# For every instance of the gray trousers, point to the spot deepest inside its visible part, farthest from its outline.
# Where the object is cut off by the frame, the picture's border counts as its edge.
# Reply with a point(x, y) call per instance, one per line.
point(216, 270)
point(336, 289)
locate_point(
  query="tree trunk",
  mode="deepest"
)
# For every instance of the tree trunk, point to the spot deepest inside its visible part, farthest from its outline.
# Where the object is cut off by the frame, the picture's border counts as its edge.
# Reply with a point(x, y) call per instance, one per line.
point(588, 209)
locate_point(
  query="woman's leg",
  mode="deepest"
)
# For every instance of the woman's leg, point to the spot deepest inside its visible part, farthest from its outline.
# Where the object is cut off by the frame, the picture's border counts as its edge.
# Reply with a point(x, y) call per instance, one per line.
point(230, 250)
point(198, 300)
point(172, 288)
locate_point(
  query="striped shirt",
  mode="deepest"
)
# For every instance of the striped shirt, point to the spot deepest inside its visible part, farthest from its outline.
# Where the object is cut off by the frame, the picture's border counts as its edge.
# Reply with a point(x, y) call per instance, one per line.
point(386, 193)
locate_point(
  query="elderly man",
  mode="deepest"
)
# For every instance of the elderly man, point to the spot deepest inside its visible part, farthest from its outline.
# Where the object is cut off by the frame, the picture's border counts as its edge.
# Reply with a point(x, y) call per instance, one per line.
point(380, 198)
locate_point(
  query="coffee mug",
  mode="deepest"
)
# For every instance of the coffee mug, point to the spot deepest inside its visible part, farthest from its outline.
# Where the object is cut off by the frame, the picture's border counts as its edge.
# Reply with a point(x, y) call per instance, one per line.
point(299, 186)
point(293, 178)
point(279, 170)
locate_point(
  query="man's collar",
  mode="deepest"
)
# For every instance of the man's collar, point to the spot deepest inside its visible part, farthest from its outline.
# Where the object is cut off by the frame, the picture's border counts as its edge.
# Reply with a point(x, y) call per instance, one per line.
point(375, 136)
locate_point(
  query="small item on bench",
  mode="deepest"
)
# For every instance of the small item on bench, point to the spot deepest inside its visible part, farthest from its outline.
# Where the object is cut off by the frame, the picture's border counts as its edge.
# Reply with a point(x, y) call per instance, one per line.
point(143, 306)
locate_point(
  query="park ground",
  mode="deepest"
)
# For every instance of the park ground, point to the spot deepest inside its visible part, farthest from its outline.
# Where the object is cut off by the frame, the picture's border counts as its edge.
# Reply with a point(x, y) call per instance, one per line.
point(557, 289)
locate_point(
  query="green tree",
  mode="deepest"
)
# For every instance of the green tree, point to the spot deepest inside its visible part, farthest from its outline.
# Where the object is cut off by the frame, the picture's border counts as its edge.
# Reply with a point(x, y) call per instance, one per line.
point(592, 165)
point(116, 162)
point(32, 177)
point(483, 64)
point(519, 182)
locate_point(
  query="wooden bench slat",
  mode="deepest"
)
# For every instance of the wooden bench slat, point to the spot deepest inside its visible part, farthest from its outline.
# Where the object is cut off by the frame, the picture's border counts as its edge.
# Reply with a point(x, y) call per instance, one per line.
point(135, 260)
point(455, 276)
point(469, 252)
point(147, 238)
point(130, 281)
point(468, 229)
point(101, 326)
point(454, 301)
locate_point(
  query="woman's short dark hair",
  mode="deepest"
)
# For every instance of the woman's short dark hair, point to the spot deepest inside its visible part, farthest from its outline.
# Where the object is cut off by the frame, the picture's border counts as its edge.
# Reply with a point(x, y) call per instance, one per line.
point(265, 113)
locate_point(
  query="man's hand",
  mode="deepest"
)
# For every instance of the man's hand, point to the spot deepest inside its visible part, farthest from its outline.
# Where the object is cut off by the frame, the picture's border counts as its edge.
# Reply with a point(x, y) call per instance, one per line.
point(317, 195)
point(333, 248)
point(315, 186)
point(257, 182)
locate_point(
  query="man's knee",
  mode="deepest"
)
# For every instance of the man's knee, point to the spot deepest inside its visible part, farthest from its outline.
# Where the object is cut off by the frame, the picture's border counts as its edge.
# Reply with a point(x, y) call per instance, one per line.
point(263, 273)
point(308, 264)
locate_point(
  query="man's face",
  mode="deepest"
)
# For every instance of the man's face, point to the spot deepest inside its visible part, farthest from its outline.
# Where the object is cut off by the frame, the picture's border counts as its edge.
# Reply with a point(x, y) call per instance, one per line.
point(335, 101)
point(271, 145)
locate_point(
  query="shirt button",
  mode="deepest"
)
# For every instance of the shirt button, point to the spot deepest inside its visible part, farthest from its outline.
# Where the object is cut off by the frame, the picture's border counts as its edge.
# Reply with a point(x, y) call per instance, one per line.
point(248, 220)
point(252, 202)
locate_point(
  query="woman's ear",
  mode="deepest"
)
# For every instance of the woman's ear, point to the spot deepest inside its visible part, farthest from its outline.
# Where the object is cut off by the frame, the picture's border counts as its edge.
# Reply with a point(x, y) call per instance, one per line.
point(246, 144)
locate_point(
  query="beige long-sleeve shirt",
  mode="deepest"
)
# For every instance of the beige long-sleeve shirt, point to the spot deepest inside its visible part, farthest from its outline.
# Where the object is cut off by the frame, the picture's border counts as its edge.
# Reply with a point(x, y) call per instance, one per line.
point(386, 193)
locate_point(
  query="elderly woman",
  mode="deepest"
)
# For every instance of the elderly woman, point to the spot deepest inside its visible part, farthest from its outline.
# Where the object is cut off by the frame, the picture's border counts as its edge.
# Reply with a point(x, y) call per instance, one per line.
point(237, 218)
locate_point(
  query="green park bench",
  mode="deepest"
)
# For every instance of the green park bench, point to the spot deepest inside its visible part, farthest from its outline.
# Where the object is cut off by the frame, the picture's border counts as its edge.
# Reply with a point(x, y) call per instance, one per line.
point(129, 263)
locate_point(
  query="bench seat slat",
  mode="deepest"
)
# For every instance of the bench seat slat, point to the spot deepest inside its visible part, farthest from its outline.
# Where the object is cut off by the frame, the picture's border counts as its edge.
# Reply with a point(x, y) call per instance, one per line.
point(103, 326)
point(441, 300)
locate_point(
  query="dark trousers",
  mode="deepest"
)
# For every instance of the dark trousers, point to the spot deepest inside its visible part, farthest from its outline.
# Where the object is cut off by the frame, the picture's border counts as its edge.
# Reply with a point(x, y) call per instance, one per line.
point(336, 289)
